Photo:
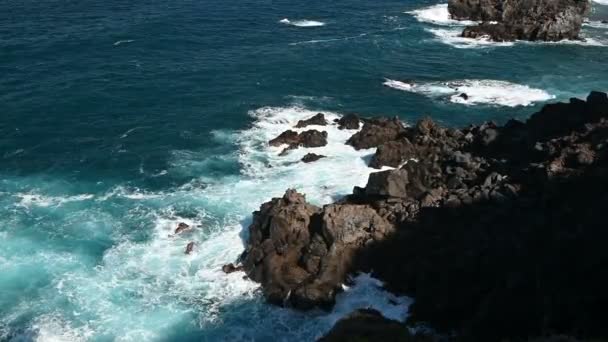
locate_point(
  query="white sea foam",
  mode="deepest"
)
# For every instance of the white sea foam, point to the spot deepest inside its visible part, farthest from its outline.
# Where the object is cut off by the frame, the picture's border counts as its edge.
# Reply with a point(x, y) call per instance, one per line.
point(29, 200)
point(141, 289)
point(597, 24)
point(453, 37)
point(439, 15)
point(126, 41)
point(488, 92)
point(317, 41)
point(601, 2)
point(302, 23)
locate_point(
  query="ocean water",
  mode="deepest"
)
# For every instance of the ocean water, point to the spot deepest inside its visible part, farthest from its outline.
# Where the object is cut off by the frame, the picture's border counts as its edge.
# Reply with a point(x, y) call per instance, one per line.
point(120, 119)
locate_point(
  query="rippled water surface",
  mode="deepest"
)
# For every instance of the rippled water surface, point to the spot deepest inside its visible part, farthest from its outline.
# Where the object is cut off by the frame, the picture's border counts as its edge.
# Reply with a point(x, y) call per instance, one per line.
point(120, 119)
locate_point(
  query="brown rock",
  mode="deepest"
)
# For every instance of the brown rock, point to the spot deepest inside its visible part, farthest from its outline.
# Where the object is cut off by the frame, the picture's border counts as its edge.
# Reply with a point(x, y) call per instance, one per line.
point(181, 227)
point(190, 247)
point(376, 132)
point(318, 120)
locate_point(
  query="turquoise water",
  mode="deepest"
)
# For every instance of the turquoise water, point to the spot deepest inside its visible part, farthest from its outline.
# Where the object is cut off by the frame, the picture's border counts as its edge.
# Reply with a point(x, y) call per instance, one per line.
point(118, 120)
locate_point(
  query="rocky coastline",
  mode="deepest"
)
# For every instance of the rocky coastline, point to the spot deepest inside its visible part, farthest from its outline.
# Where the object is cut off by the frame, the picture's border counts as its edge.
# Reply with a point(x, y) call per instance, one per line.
point(495, 231)
point(533, 20)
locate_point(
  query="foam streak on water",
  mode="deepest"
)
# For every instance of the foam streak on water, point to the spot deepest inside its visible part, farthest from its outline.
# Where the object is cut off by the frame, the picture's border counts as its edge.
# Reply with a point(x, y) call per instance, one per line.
point(476, 92)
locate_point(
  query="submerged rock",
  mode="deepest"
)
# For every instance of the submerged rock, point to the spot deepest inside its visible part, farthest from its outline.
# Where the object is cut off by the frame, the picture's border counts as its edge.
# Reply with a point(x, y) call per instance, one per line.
point(231, 268)
point(311, 157)
point(190, 247)
point(181, 227)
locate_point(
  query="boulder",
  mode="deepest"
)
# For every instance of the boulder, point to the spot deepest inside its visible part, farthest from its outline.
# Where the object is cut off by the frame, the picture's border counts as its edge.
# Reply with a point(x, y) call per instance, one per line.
point(302, 254)
point(391, 183)
point(376, 132)
point(393, 153)
point(349, 121)
point(312, 157)
point(288, 137)
point(317, 120)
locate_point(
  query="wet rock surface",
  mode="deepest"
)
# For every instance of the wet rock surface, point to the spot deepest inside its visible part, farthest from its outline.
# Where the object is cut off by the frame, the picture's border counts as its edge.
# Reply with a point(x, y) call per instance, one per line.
point(312, 157)
point(302, 254)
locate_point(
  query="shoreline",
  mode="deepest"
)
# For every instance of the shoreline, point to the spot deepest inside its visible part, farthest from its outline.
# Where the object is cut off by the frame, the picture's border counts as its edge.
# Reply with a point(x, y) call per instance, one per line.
point(474, 178)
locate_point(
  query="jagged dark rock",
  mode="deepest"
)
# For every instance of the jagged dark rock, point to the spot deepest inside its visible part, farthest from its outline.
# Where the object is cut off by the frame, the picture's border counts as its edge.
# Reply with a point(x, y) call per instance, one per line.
point(393, 153)
point(349, 121)
point(231, 268)
point(310, 138)
point(508, 20)
point(317, 120)
point(477, 10)
point(311, 157)
point(496, 231)
point(181, 227)
point(391, 183)
point(376, 132)
point(302, 254)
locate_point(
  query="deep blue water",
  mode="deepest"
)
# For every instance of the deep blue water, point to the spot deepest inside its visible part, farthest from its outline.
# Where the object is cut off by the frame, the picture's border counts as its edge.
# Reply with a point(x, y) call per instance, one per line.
point(119, 119)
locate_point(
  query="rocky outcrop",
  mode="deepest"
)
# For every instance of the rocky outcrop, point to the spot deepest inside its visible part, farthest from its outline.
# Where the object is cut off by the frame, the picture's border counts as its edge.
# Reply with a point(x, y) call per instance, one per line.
point(302, 254)
point(477, 10)
point(376, 132)
point(496, 231)
point(502, 218)
point(293, 140)
point(312, 157)
point(508, 20)
point(349, 121)
point(317, 120)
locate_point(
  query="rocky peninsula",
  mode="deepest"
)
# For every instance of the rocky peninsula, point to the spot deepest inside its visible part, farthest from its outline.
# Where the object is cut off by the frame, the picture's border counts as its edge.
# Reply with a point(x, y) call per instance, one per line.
point(496, 231)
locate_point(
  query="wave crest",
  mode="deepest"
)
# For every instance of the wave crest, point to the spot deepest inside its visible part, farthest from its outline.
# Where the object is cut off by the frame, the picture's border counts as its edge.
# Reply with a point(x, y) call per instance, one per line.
point(485, 92)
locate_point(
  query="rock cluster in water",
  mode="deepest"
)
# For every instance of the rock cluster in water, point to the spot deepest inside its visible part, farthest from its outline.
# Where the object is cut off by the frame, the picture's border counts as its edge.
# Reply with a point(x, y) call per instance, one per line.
point(495, 231)
point(508, 20)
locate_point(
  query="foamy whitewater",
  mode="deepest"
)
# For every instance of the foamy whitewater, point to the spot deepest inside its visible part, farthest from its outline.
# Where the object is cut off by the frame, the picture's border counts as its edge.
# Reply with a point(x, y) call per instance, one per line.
point(302, 23)
point(156, 276)
point(475, 92)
